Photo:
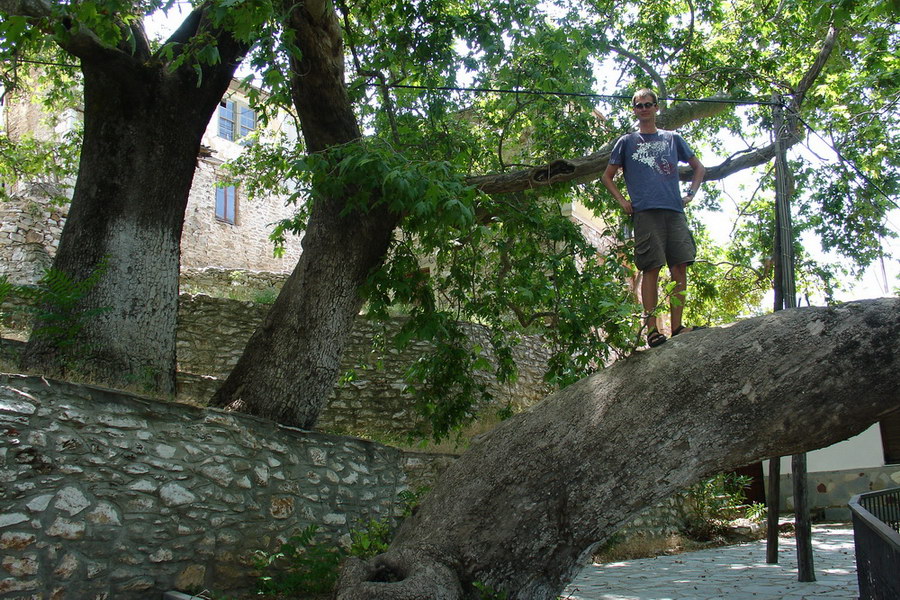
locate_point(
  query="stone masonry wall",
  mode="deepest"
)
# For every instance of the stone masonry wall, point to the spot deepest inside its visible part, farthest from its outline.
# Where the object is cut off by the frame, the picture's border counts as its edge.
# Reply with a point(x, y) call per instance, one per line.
point(212, 333)
point(245, 244)
point(108, 495)
point(29, 235)
point(219, 282)
point(829, 492)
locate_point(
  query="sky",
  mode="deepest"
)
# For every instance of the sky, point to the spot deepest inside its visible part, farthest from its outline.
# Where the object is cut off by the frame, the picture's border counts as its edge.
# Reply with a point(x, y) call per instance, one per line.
point(877, 281)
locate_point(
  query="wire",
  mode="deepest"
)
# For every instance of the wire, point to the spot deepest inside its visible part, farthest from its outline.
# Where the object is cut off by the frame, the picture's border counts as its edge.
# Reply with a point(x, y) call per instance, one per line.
point(39, 62)
point(486, 90)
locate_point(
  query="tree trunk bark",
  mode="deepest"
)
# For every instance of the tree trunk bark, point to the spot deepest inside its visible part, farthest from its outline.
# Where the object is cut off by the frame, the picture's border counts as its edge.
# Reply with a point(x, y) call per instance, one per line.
point(291, 362)
point(142, 132)
point(522, 508)
point(295, 355)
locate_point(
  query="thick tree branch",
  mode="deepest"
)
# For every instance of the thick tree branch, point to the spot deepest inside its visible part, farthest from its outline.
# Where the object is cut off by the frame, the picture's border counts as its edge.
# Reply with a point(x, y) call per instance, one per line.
point(661, 88)
point(809, 78)
point(520, 509)
point(590, 167)
point(38, 9)
point(187, 29)
point(80, 41)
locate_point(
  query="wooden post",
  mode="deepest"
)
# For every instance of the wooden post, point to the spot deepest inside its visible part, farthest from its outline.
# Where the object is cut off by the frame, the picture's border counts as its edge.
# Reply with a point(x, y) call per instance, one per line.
point(773, 508)
point(802, 524)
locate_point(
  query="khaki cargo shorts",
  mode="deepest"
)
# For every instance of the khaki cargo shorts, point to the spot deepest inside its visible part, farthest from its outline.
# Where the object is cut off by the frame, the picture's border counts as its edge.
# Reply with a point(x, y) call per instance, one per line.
point(662, 237)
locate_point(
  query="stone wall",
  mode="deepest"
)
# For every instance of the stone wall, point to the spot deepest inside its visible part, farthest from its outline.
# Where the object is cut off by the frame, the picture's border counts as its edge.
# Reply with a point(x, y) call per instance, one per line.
point(222, 282)
point(110, 495)
point(29, 235)
point(212, 333)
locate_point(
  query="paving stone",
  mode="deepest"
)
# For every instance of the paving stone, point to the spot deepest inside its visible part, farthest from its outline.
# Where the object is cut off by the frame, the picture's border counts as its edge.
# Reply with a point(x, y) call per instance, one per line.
point(732, 572)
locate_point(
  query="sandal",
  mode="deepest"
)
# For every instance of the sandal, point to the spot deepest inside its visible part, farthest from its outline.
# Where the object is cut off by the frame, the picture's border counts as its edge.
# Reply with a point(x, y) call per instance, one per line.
point(655, 338)
point(683, 329)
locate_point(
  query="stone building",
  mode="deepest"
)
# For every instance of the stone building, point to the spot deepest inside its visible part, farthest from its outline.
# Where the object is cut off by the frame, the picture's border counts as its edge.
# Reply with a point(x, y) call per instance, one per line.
point(223, 227)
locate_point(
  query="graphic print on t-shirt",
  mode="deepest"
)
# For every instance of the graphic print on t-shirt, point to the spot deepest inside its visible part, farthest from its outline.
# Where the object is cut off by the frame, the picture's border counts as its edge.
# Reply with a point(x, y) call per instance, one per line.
point(655, 155)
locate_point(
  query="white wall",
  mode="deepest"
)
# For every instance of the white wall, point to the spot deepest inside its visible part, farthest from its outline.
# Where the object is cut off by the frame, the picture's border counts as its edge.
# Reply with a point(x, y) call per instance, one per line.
point(862, 451)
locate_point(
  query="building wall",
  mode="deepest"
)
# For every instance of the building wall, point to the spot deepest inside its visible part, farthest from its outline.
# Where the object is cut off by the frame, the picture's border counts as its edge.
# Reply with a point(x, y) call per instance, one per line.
point(31, 224)
point(839, 472)
point(209, 242)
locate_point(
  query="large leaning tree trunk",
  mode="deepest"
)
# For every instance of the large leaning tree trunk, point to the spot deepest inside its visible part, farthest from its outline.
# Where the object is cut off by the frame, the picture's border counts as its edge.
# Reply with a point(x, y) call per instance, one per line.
point(519, 511)
point(143, 123)
point(292, 360)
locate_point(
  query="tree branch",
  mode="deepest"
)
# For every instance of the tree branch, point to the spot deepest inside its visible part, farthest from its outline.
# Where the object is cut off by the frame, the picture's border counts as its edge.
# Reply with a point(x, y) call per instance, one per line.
point(656, 77)
point(809, 78)
point(590, 167)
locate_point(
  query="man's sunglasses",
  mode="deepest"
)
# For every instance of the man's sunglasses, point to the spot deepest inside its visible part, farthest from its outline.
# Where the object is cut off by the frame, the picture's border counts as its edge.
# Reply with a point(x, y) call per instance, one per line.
point(645, 105)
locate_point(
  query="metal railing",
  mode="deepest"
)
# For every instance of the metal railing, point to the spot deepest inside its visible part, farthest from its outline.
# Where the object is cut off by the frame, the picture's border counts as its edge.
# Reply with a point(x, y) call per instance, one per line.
point(876, 534)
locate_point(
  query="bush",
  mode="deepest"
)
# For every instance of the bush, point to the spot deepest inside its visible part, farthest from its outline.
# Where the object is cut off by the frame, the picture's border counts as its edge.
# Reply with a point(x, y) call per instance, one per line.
point(714, 503)
point(300, 566)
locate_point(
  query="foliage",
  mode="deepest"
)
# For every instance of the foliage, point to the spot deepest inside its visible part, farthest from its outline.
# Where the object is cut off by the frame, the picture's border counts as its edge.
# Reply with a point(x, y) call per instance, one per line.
point(714, 503)
point(56, 302)
point(486, 592)
point(303, 565)
point(300, 565)
point(756, 512)
point(410, 500)
point(46, 163)
point(372, 539)
point(6, 288)
point(512, 263)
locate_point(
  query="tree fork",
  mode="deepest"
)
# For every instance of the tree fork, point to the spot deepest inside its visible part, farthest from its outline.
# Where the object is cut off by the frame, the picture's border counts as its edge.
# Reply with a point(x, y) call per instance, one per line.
point(523, 507)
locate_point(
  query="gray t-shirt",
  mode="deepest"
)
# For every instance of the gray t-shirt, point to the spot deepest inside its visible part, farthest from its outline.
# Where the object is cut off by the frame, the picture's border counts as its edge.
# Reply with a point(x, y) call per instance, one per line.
point(650, 162)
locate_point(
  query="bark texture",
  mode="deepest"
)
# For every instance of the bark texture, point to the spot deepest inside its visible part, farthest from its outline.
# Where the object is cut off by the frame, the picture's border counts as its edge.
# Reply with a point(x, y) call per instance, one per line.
point(519, 510)
point(292, 360)
point(143, 123)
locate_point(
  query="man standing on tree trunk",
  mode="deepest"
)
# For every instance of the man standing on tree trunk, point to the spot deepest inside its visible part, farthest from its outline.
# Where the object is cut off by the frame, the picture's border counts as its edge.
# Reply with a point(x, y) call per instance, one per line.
point(649, 158)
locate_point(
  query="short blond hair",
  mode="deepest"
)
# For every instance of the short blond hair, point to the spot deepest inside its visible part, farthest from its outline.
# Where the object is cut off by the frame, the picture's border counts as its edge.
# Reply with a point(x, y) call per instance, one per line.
point(644, 92)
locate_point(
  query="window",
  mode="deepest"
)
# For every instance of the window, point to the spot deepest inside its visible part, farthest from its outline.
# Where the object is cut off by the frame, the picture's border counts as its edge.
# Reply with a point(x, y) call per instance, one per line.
point(226, 201)
point(226, 120)
point(248, 121)
point(235, 120)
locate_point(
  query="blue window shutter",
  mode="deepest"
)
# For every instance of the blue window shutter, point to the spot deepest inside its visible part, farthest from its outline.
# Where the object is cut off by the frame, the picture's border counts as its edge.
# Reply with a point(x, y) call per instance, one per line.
point(229, 203)
point(220, 203)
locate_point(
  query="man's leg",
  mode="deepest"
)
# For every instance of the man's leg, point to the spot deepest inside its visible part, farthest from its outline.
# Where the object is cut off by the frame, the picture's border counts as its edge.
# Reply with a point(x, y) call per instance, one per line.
point(676, 308)
point(650, 296)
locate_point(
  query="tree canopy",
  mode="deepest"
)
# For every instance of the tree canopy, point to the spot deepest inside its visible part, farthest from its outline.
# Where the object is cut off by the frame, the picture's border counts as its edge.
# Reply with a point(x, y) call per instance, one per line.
point(394, 143)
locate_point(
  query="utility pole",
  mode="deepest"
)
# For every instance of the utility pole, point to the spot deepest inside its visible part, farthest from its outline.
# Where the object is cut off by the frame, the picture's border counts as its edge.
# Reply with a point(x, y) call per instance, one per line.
point(786, 297)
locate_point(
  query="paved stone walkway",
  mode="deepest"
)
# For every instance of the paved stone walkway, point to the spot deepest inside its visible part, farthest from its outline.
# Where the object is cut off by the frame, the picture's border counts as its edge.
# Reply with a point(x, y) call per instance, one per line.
point(729, 573)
